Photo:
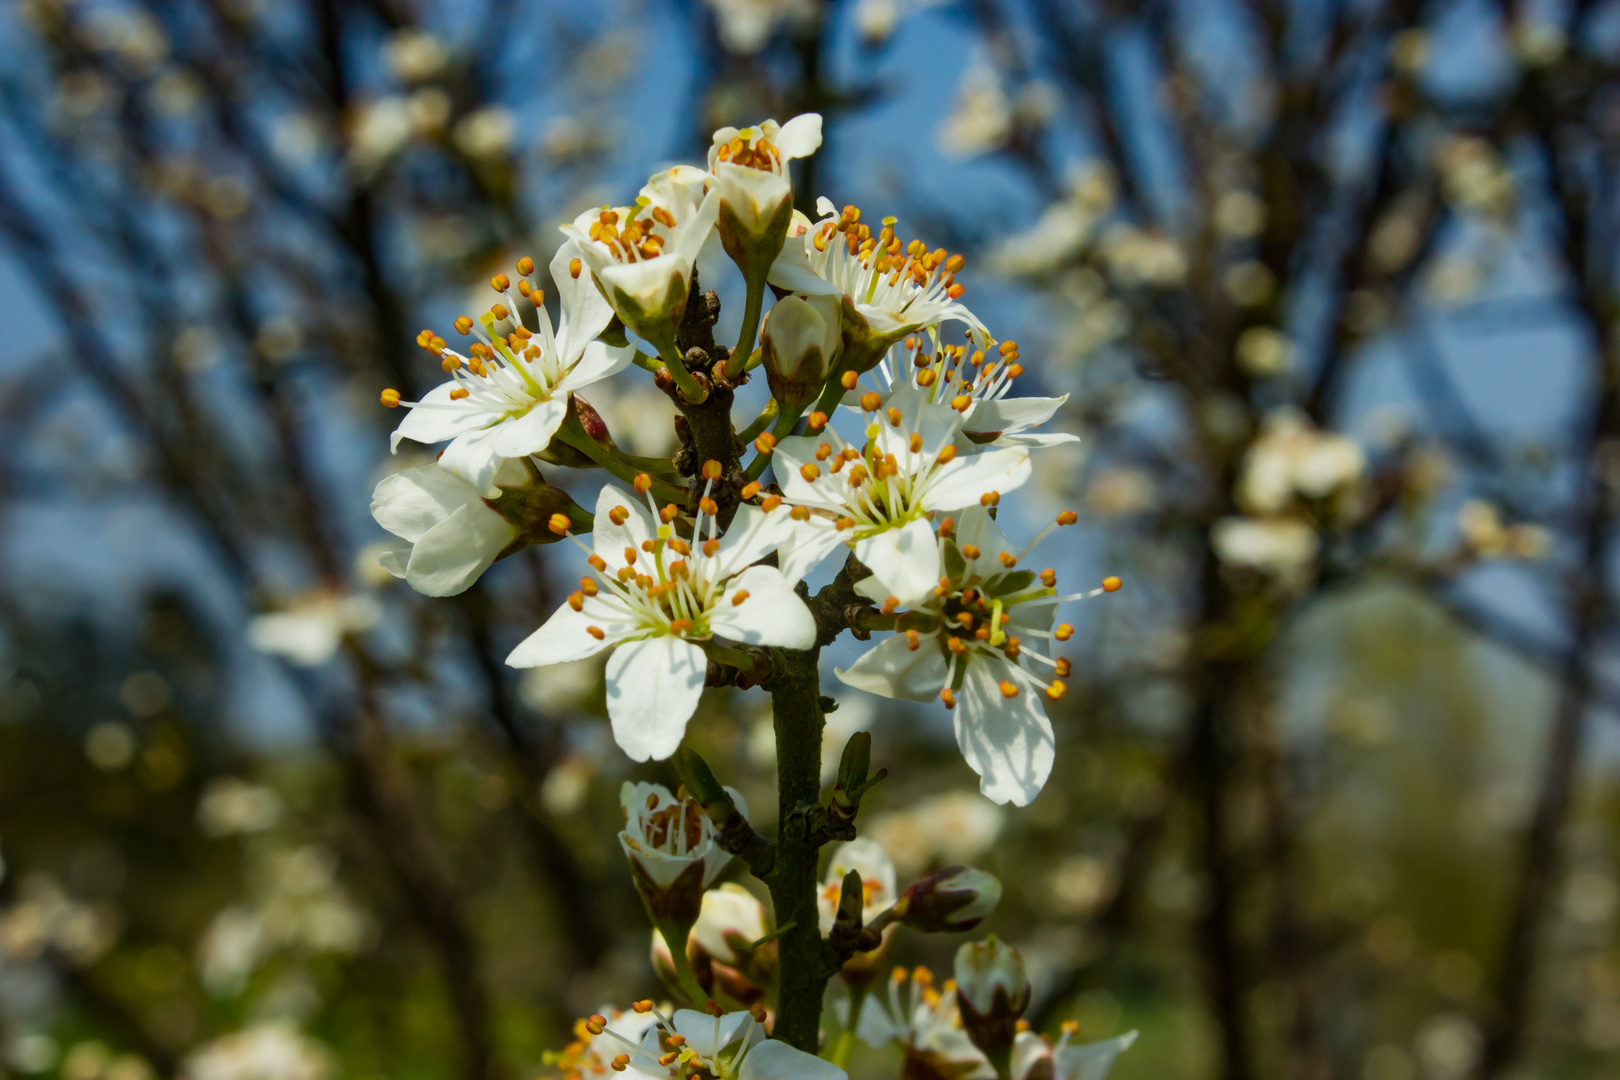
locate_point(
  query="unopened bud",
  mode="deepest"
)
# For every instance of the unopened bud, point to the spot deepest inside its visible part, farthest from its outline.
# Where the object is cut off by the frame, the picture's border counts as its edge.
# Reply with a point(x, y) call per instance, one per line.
point(955, 899)
point(992, 992)
point(801, 341)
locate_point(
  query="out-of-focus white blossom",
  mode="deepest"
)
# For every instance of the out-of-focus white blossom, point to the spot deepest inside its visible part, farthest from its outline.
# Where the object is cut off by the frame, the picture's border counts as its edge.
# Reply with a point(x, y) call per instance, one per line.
point(1291, 458)
point(231, 807)
point(980, 119)
point(1136, 257)
point(414, 55)
point(487, 134)
point(379, 130)
point(1264, 351)
point(1281, 546)
point(747, 25)
point(954, 827)
point(274, 1050)
point(308, 631)
point(43, 919)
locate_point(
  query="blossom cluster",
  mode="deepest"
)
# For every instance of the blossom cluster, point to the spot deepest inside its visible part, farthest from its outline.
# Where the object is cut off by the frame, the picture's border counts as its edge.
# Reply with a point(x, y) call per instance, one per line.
point(888, 444)
point(886, 450)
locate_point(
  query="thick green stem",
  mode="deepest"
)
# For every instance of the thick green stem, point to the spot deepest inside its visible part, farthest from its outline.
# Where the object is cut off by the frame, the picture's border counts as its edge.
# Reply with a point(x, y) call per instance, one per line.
point(795, 688)
point(572, 434)
point(736, 363)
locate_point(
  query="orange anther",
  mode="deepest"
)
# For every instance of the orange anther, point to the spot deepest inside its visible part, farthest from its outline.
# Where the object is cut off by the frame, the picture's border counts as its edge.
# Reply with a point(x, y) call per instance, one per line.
point(680, 626)
point(1063, 632)
point(711, 470)
point(643, 483)
point(390, 398)
point(574, 267)
point(848, 380)
point(738, 597)
point(810, 471)
point(1068, 517)
point(913, 640)
point(771, 503)
point(1112, 584)
point(971, 551)
point(752, 488)
point(596, 632)
point(765, 443)
point(500, 283)
point(947, 454)
point(1008, 689)
point(619, 515)
point(871, 401)
point(1057, 689)
point(817, 421)
point(576, 600)
point(948, 698)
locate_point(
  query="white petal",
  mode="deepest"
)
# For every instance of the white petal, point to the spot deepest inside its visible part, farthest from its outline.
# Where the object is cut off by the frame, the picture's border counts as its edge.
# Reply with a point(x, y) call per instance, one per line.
point(891, 669)
point(876, 1028)
point(564, 636)
point(653, 687)
point(585, 312)
point(772, 614)
point(1007, 741)
point(790, 456)
point(440, 418)
point(648, 282)
point(792, 271)
point(800, 136)
point(753, 535)
point(470, 457)
point(1093, 1060)
point(807, 547)
point(976, 528)
point(1013, 414)
point(597, 362)
point(963, 481)
point(609, 540)
point(412, 501)
point(529, 433)
point(395, 559)
point(662, 867)
point(776, 1060)
point(904, 560)
point(450, 556)
point(708, 1035)
point(1036, 440)
point(695, 229)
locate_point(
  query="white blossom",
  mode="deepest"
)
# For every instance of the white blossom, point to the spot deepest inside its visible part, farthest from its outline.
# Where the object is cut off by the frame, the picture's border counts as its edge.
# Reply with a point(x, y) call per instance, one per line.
point(273, 1050)
point(450, 534)
point(641, 256)
point(308, 631)
point(1090, 1061)
point(878, 495)
point(896, 288)
point(927, 1026)
point(976, 384)
point(731, 1046)
point(750, 166)
point(968, 643)
point(665, 598)
point(746, 25)
point(510, 396)
point(666, 836)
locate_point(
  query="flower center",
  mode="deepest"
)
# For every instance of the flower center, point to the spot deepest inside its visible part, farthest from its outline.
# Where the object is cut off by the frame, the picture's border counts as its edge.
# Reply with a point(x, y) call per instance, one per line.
point(752, 152)
point(641, 237)
point(678, 828)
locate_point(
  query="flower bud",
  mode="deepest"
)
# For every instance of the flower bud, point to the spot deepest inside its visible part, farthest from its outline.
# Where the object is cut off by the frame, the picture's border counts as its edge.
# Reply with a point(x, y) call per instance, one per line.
point(954, 899)
point(755, 190)
point(801, 341)
point(673, 855)
point(992, 992)
point(530, 510)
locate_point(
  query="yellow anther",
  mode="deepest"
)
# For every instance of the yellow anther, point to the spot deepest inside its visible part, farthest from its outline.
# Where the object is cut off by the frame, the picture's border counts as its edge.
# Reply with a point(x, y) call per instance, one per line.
point(752, 488)
point(1068, 517)
point(738, 597)
point(848, 380)
point(596, 632)
point(1008, 689)
point(390, 398)
point(947, 454)
point(765, 443)
point(810, 471)
point(817, 421)
point(1049, 577)
point(771, 502)
point(990, 498)
point(871, 401)
point(1008, 559)
point(948, 698)
point(500, 283)
point(894, 416)
point(643, 483)
point(1063, 632)
point(1057, 689)
point(574, 267)
point(1112, 584)
point(971, 551)
point(913, 640)
point(711, 470)
point(619, 515)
